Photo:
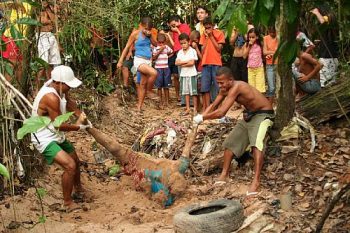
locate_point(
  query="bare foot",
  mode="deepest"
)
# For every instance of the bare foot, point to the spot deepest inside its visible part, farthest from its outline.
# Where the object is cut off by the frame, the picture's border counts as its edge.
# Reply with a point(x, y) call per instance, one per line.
point(71, 207)
point(254, 187)
point(152, 95)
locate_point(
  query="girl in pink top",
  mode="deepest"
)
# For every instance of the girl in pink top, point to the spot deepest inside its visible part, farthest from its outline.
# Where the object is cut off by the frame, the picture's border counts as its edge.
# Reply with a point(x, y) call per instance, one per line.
point(253, 50)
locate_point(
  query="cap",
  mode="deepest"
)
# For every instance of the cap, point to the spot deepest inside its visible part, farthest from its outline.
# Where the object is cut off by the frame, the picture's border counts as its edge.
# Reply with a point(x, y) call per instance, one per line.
point(65, 74)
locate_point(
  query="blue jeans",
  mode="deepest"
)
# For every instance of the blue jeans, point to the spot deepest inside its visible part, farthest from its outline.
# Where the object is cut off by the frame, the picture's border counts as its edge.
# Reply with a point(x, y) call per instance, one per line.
point(271, 80)
point(208, 81)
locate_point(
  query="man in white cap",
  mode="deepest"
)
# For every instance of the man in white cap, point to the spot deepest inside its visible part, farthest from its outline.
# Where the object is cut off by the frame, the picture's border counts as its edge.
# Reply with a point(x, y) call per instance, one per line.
point(53, 100)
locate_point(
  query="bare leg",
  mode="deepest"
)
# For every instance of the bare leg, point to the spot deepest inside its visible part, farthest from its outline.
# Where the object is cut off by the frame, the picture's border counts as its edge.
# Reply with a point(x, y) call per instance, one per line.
point(161, 97)
point(142, 91)
point(228, 155)
point(195, 103)
point(177, 86)
point(258, 163)
point(125, 74)
point(166, 94)
point(69, 166)
point(188, 107)
point(206, 100)
point(77, 183)
point(151, 75)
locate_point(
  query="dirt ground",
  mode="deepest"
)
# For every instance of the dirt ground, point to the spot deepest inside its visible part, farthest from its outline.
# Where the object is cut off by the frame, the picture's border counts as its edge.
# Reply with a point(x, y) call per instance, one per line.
point(117, 207)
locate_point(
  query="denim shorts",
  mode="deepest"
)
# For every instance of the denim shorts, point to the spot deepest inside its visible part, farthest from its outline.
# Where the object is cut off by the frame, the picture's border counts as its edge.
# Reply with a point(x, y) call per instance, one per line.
point(163, 78)
point(208, 79)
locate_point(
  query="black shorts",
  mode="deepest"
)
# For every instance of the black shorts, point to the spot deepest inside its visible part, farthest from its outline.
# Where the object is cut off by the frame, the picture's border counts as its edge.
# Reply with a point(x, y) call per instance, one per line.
point(171, 63)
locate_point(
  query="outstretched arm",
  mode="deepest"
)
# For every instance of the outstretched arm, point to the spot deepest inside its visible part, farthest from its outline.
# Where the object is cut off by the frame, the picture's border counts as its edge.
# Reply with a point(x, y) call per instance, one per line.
point(130, 42)
point(223, 109)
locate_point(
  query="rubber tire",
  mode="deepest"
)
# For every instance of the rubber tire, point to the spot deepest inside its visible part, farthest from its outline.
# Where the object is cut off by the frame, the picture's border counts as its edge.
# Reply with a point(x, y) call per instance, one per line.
point(225, 220)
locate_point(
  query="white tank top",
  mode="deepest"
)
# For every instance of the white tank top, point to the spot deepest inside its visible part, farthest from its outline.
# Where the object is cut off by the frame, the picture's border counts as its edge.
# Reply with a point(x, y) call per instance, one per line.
point(46, 135)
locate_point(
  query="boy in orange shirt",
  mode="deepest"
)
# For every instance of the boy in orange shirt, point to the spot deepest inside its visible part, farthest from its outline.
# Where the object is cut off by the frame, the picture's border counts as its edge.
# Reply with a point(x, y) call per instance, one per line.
point(269, 49)
point(212, 41)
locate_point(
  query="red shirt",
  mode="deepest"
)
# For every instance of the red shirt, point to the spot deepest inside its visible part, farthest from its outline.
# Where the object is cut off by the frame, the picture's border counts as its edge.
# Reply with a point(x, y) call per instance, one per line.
point(183, 28)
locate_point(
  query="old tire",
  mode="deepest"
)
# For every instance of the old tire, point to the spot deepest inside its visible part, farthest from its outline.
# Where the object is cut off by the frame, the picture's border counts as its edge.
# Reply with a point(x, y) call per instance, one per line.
point(220, 216)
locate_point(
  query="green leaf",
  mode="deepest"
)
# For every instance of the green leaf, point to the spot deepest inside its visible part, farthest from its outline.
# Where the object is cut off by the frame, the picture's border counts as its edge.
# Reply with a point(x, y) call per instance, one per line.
point(221, 9)
point(28, 21)
point(42, 219)
point(264, 14)
point(16, 35)
point(4, 172)
point(32, 125)
point(42, 62)
point(291, 10)
point(62, 118)
point(9, 69)
point(41, 193)
point(288, 51)
point(269, 4)
point(114, 170)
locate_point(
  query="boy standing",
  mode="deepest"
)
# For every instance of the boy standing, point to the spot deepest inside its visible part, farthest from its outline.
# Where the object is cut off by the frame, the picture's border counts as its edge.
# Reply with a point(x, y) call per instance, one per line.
point(186, 59)
point(160, 56)
point(269, 49)
point(212, 43)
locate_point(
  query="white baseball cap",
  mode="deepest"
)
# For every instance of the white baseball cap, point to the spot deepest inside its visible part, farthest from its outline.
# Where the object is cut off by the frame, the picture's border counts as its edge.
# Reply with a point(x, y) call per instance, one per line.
point(65, 74)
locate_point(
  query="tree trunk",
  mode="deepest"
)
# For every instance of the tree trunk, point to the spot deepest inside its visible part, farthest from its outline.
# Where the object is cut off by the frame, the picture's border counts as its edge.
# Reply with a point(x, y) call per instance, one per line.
point(139, 165)
point(331, 102)
point(286, 100)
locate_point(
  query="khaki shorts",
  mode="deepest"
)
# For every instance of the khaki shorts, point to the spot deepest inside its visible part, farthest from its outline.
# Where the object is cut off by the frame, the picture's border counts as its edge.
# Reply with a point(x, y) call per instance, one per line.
point(248, 134)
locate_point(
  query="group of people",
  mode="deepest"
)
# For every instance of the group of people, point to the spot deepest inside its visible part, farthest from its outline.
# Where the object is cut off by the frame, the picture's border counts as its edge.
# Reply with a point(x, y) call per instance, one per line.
point(191, 62)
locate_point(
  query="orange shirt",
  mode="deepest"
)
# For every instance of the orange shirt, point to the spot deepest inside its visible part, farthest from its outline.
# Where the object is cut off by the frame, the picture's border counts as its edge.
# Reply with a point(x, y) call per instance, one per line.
point(271, 45)
point(210, 55)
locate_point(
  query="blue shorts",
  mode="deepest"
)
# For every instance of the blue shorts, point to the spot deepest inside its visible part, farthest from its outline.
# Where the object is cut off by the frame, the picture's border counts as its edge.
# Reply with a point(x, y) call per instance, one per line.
point(171, 63)
point(138, 77)
point(208, 80)
point(163, 78)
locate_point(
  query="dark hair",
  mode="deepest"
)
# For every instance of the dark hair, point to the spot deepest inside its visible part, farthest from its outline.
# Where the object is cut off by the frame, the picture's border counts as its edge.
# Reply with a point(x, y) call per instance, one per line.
point(256, 31)
point(161, 37)
point(195, 33)
point(147, 21)
point(174, 18)
point(225, 71)
point(207, 21)
point(271, 28)
point(202, 7)
point(184, 36)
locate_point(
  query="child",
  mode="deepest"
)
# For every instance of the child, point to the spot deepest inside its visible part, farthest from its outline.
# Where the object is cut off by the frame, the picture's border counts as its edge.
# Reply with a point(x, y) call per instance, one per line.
point(142, 39)
point(212, 42)
point(253, 50)
point(307, 74)
point(270, 47)
point(194, 41)
point(186, 59)
point(160, 56)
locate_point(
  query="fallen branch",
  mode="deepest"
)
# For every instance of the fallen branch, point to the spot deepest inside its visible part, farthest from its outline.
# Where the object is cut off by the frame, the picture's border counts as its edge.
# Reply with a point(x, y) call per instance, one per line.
point(330, 207)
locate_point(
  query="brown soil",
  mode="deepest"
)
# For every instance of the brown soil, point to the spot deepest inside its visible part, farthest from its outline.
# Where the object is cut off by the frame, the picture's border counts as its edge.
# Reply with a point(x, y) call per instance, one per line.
point(116, 205)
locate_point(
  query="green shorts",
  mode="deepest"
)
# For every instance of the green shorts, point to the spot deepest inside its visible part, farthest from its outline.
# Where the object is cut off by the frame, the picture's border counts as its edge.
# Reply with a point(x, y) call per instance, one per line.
point(248, 134)
point(53, 148)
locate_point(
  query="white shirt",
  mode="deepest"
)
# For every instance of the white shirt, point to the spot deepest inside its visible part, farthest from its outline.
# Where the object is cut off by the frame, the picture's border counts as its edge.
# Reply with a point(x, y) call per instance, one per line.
point(190, 54)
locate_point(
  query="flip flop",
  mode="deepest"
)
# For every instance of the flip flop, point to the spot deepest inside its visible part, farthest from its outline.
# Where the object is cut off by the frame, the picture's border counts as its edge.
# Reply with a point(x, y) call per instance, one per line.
point(251, 194)
point(71, 208)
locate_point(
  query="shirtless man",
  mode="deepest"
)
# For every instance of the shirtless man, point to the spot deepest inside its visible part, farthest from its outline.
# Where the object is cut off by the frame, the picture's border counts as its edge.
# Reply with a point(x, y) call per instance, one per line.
point(248, 132)
point(47, 44)
point(53, 100)
point(307, 74)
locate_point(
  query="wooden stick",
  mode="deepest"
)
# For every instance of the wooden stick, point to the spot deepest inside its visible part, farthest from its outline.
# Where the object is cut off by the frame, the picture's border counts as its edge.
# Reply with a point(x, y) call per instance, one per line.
point(330, 207)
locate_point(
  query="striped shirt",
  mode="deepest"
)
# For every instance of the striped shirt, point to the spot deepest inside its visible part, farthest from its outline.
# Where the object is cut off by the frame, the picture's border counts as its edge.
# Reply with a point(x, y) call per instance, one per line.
point(162, 60)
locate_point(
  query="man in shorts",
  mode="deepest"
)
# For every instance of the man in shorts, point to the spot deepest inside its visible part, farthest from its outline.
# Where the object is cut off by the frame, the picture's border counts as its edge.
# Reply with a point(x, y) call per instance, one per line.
point(47, 44)
point(249, 132)
point(53, 100)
